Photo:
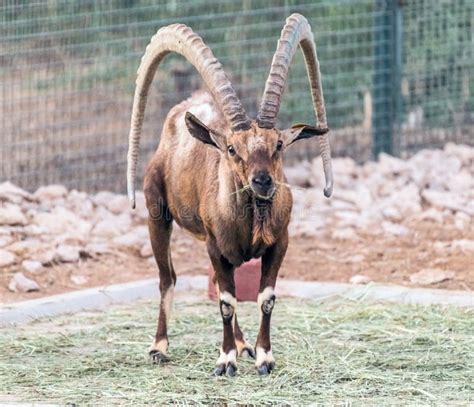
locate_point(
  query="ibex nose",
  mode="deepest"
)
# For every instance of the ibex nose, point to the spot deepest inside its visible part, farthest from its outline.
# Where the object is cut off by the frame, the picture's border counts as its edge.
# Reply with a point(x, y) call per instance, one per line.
point(262, 180)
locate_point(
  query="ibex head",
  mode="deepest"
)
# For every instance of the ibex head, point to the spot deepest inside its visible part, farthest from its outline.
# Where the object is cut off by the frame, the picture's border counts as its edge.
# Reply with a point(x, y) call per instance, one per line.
point(252, 148)
point(254, 155)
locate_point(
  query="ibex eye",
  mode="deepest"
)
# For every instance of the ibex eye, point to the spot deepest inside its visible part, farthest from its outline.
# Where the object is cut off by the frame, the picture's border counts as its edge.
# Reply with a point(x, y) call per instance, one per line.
point(279, 145)
point(231, 150)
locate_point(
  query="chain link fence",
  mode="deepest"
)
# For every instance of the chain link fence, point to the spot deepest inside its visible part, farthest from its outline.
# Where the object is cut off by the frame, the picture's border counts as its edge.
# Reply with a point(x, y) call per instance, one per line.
point(397, 76)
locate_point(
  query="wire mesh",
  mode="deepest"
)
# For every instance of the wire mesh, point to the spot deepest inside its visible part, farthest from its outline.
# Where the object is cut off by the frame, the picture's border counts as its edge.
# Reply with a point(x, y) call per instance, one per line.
point(67, 71)
point(437, 87)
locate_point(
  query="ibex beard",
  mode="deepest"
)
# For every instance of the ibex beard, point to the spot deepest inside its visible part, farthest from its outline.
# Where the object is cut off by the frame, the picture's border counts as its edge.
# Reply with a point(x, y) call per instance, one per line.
point(219, 175)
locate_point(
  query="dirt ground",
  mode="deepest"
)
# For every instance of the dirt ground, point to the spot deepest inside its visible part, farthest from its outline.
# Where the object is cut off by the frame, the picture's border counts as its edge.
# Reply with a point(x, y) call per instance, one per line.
point(385, 259)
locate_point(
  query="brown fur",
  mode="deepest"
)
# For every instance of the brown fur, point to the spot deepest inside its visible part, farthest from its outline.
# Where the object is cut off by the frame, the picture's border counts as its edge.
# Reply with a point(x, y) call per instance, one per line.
point(195, 185)
point(189, 185)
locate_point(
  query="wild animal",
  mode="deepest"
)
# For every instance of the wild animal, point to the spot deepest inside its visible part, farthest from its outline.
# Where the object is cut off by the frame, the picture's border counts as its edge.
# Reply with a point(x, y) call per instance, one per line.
point(219, 175)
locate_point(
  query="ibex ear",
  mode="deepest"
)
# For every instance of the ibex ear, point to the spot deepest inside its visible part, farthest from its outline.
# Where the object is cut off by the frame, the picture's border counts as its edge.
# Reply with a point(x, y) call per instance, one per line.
point(200, 131)
point(301, 132)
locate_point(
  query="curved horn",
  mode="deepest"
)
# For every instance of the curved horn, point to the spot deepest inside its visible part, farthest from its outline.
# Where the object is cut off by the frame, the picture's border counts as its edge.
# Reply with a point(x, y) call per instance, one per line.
point(181, 39)
point(296, 31)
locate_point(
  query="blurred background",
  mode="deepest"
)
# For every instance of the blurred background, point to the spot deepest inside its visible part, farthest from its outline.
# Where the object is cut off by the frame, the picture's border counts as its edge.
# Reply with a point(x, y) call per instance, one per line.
point(397, 77)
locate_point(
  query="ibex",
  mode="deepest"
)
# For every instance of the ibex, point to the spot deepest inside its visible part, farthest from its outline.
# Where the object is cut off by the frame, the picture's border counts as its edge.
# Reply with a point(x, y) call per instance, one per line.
point(219, 175)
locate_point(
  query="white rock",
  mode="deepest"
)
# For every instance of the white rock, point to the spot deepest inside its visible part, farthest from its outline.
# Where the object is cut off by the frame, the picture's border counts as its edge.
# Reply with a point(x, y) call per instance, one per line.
point(113, 226)
point(146, 250)
point(360, 279)
point(5, 240)
point(407, 199)
point(5, 231)
point(440, 246)
point(347, 218)
point(461, 151)
point(463, 245)
point(102, 198)
point(71, 239)
point(360, 196)
point(395, 228)
point(357, 258)
point(12, 193)
point(46, 257)
point(431, 276)
point(62, 221)
point(81, 204)
point(11, 214)
point(312, 199)
point(432, 214)
point(118, 204)
point(26, 248)
point(392, 213)
point(446, 200)
point(339, 204)
point(462, 221)
point(32, 266)
point(391, 165)
point(22, 284)
point(307, 226)
point(140, 211)
point(460, 182)
point(135, 239)
point(398, 202)
point(6, 258)
point(342, 165)
point(50, 192)
point(369, 219)
point(34, 230)
point(430, 168)
point(97, 248)
point(79, 280)
point(299, 175)
point(67, 254)
point(344, 234)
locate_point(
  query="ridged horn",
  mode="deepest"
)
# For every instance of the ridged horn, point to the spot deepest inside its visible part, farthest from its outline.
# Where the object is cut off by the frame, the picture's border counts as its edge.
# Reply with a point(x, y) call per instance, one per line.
point(181, 39)
point(296, 31)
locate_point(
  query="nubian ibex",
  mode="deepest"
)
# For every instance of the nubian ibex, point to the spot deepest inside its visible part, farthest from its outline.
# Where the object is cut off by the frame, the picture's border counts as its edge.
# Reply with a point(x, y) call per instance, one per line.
point(219, 175)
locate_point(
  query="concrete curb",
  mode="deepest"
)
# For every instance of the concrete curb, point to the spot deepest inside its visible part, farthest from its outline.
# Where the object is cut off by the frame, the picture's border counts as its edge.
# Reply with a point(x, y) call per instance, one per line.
point(377, 292)
point(92, 299)
point(101, 297)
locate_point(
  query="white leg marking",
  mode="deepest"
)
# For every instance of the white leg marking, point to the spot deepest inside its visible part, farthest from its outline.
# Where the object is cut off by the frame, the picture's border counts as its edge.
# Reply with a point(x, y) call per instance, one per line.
point(167, 302)
point(263, 357)
point(228, 298)
point(228, 311)
point(160, 346)
point(265, 295)
point(225, 358)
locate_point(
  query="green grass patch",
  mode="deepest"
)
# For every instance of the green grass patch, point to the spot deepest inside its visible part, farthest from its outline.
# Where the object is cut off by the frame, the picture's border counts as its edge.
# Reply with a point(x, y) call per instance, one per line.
point(333, 352)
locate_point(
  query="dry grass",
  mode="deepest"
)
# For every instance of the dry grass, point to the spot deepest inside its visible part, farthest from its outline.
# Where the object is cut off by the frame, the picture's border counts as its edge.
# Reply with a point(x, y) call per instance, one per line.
point(335, 352)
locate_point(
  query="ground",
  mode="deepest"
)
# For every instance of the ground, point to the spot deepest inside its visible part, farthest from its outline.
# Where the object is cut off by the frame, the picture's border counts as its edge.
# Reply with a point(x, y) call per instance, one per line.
point(337, 351)
point(387, 259)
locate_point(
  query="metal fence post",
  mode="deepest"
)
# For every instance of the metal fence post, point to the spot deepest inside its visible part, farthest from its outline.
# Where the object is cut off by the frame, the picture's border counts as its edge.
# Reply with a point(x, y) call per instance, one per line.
point(388, 40)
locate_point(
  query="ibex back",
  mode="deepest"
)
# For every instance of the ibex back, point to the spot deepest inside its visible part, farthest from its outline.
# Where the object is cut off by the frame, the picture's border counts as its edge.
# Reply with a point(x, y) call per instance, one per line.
point(219, 175)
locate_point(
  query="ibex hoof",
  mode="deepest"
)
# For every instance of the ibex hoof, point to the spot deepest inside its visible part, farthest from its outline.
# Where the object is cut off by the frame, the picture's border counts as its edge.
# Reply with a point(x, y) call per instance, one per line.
point(265, 368)
point(158, 357)
point(229, 369)
point(265, 361)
